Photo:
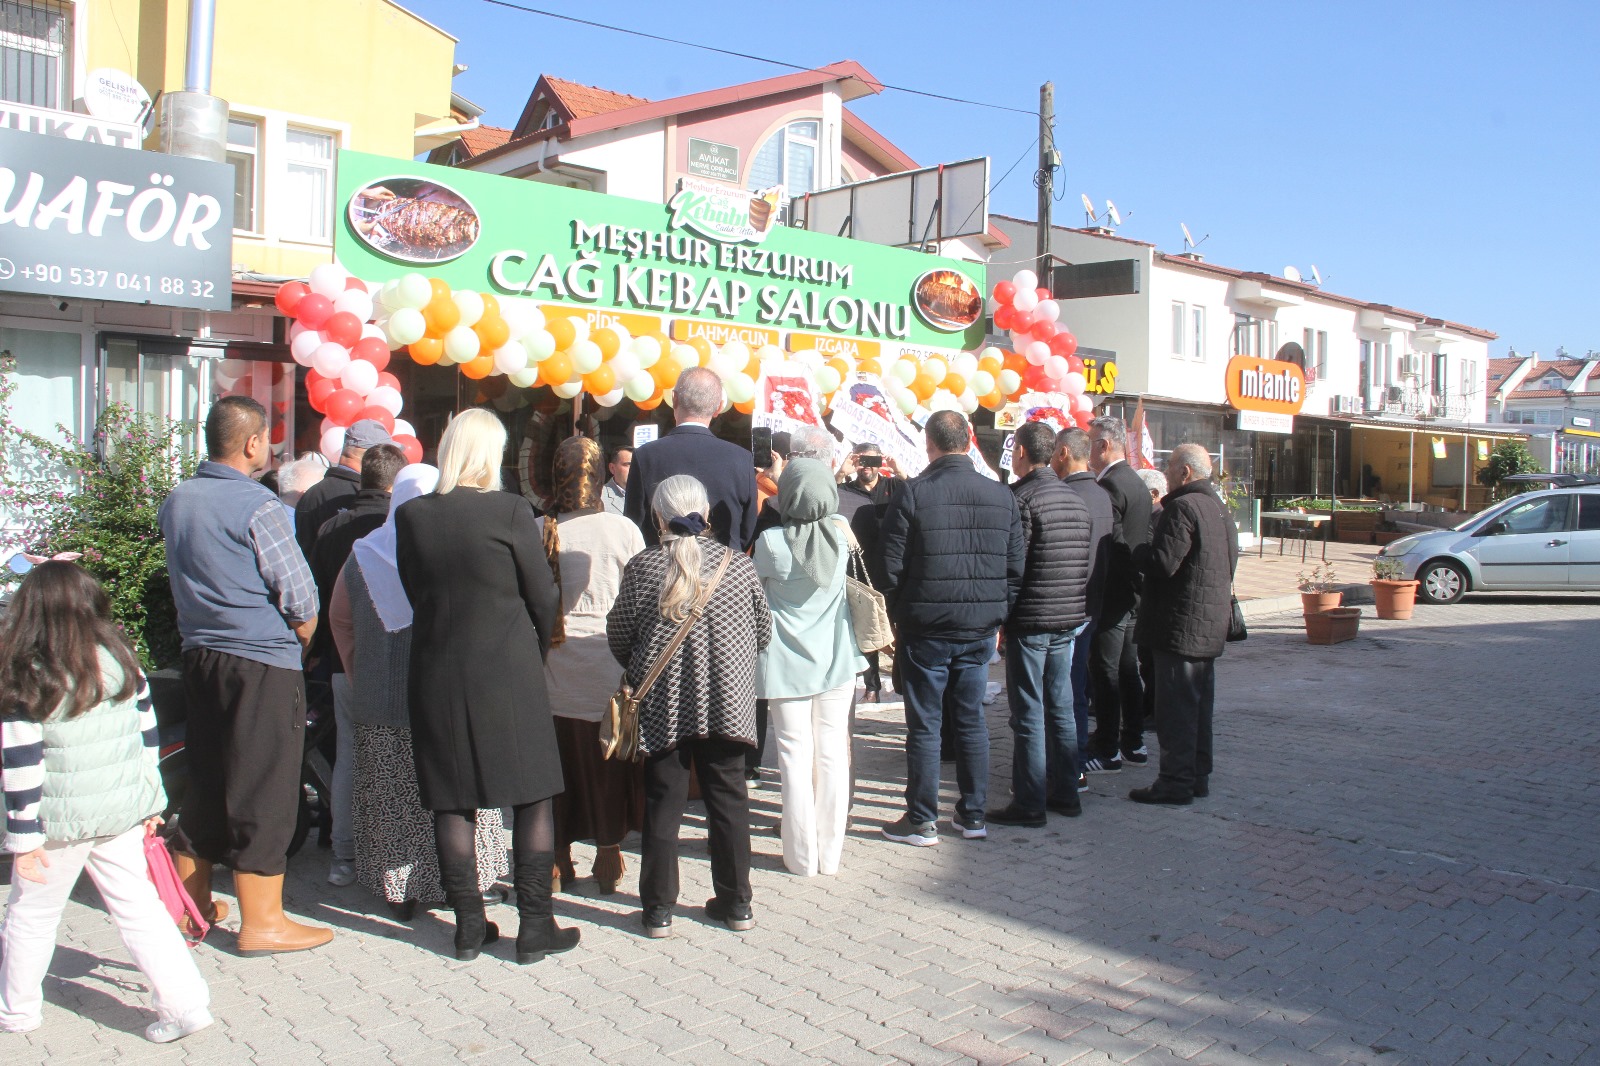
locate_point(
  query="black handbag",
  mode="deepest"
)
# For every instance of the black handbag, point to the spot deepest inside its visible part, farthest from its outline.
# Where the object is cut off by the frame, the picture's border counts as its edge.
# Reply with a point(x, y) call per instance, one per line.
point(1236, 628)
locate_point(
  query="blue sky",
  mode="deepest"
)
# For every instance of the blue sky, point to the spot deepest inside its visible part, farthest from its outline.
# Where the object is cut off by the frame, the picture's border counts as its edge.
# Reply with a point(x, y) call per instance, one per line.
point(1440, 157)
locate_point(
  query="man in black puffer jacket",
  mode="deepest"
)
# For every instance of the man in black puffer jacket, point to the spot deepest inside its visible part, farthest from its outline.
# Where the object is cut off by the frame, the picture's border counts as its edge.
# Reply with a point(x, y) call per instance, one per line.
point(952, 559)
point(1184, 619)
point(1045, 622)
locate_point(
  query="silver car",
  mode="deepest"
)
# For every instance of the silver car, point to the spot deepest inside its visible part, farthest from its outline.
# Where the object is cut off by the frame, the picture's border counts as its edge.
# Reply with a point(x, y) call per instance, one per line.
point(1543, 540)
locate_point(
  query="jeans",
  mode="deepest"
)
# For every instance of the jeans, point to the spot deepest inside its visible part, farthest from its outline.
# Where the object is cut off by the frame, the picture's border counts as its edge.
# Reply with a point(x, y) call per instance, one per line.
point(1044, 764)
point(719, 762)
point(1185, 692)
point(344, 770)
point(119, 870)
point(1080, 686)
point(814, 759)
point(930, 670)
point(1118, 694)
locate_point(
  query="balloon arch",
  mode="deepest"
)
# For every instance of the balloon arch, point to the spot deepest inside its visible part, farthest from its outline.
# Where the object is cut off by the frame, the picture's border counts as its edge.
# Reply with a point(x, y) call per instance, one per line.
point(344, 331)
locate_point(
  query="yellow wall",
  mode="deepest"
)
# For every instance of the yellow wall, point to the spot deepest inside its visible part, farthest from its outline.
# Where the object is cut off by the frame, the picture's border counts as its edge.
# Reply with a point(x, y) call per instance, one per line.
point(367, 66)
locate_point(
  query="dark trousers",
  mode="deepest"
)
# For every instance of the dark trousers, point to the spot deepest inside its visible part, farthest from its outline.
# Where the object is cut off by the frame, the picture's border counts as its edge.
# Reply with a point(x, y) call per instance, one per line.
point(1118, 695)
point(752, 756)
point(1147, 683)
point(1080, 687)
point(244, 745)
point(720, 765)
point(1185, 691)
point(872, 678)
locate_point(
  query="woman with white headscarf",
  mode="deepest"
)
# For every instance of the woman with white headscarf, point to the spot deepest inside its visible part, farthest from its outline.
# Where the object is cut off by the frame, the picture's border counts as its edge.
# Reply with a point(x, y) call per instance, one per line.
point(808, 672)
point(370, 616)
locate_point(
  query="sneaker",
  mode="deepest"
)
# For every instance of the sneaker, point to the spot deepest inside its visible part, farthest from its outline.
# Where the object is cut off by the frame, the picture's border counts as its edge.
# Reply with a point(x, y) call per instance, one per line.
point(1014, 815)
point(656, 924)
point(917, 834)
point(1102, 764)
point(735, 916)
point(167, 1030)
point(1157, 795)
point(342, 874)
point(971, 828)
point(1083, 782)
point(1138, 756)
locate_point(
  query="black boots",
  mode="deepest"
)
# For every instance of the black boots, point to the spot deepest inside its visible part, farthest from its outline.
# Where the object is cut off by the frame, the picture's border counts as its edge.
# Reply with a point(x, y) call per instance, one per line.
point(473, 930)
point(538, 935)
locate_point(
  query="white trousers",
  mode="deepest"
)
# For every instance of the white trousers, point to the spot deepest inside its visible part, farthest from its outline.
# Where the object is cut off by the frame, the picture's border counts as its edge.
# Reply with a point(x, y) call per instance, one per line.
point(814, 761)
point(118, 868)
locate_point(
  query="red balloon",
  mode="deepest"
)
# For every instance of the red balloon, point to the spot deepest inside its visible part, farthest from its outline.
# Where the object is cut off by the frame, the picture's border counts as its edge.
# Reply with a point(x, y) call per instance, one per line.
point(312, 377)
point(377, 414)
point(1044, 330)
point(386, 378)
point(1074, 364)
point(342, 406)
point(1044, 293)
point(1004, 291)
point(1005, 314)
point(411, 446)
point(279, 431)
point(374, 350)
point(1023, 321)
point(1064, 344)
point(289, 295)
point(314, 310)
point(317, 393)
point(1034, 379)
point(343, 329)
point(355, 283)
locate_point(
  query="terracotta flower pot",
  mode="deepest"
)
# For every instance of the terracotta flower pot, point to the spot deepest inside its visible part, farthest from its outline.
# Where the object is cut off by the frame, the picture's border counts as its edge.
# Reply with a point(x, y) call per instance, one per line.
point(1333, 626)
point(1394, 599)
point(1313, 602)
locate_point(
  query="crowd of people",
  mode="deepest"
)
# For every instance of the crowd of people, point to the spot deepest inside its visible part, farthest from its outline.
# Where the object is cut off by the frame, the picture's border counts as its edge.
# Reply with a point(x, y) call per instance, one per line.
point(473, 646)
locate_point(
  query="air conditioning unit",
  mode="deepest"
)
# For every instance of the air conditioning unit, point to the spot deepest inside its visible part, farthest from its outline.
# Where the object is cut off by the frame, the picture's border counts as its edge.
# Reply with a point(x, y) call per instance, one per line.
point(1348, 405)
point(1411, 365)
point(1396, 394)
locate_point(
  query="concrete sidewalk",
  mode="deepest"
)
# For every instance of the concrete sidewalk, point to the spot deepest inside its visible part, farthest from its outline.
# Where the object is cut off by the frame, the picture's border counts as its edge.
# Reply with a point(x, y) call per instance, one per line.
point(1268, 582)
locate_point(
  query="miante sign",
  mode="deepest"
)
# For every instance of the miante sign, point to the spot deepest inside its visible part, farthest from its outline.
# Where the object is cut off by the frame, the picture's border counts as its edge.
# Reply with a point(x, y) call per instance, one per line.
point(1267, 393)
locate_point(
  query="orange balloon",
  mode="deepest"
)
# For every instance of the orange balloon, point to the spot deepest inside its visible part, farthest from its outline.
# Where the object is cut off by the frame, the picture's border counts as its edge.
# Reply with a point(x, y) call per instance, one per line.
point(922, 386)
point(840, 365)
point(601, 380)
point(651, 404)
point(606, 339)
point(869, 366)
point(954, 384)
point(492, 332)
point(561, 329)
point(1013, 361)
point(663, 340)
point(752, 366)
point(491, 306)
point(665, 374)
point(441, 288)
point(557, 369)
point(745, 407)
point(479, 367)
point(990, 365)
point(441, 315)
point(427, 351)
point(992, 400)
point(703, 346)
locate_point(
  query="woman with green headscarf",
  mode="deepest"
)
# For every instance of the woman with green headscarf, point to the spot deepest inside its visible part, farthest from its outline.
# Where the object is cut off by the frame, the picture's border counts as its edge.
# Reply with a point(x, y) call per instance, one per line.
point(808, 671)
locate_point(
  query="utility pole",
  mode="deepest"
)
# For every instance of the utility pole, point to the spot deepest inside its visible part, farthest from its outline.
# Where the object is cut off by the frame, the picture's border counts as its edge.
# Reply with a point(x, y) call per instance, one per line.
point(1049, 161)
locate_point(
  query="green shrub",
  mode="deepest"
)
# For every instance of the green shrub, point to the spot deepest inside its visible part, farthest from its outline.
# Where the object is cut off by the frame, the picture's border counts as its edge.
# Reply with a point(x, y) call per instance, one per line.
point(1508, 457)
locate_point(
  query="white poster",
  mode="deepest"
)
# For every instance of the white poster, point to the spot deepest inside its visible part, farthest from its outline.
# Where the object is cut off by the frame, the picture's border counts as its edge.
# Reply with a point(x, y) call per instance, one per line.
point(865, 414)
point(786, 398)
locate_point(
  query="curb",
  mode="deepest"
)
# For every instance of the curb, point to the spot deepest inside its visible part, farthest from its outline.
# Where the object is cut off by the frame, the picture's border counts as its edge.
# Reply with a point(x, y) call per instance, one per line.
point(1354, 596)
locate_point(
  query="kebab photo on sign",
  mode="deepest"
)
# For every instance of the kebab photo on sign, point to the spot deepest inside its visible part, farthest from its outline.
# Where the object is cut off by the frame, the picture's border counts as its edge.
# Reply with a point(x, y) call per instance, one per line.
point(414, 220)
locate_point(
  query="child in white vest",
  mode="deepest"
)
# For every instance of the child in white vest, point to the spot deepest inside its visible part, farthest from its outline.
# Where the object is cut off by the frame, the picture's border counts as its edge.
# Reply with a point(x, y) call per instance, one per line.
point(82, 789)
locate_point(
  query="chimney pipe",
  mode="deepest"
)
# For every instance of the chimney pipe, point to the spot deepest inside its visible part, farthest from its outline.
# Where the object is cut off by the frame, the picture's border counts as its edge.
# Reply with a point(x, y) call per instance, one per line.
point(202, 32)
point(193, 122)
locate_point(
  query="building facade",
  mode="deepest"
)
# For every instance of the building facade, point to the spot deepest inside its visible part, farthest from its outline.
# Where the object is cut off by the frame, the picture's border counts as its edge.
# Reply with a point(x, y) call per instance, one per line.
point(1557, 401)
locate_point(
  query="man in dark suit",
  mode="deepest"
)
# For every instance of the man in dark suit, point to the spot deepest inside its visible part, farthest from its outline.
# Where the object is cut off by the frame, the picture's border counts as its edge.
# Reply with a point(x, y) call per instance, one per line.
point(1071, 464)
point(1113, 663)
point(726, 470)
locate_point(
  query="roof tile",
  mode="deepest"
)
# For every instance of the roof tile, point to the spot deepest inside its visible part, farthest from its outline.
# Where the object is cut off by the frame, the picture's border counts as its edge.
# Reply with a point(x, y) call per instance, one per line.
point(584, 101)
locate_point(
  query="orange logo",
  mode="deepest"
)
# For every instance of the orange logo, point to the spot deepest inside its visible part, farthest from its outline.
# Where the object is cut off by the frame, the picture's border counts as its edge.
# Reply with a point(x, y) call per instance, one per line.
point(1265, 385)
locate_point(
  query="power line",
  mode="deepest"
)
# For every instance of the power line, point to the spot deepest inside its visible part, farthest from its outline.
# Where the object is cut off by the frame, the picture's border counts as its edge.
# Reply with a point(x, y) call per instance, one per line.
point(741, 55)
point(1001, 182)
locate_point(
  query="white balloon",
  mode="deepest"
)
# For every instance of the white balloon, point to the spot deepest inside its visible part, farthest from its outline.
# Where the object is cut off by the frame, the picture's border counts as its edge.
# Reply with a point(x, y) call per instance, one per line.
point(539, 344)
point(1056, 367)
point(511, 358)
point(969, 402)
point(624, 338)
point(388, 295)
point(1036, 352)
point(405, 326)
point(470, 304)
point(992, 352)
point(1026, 281)
point(330, 359)
point(328, 280)
point(586, 355)
point(1083, 402)
point(1025, 300)
point(523, 379)
point(904, 371)
point(580, 328)
point(523, 316)
point(356, 301)
point(737, 355)
point(303, 347)
point(1049, 310)
point(332, 443)
point(413, 290)
point(964, 363)
point(461, 344)
point(402, 428)
point(610, 399)
point(626, 366)
point(1074, 382)
point(828, 379)
point(739, 388)
point(567, 390)
point(1009, 381)
point(981, 383)
point(769, 351)
point(372, 329)
point(359, 376)
point(647, 350)
point(642, 387)
point(387, 397)
point(685, 356)
point(296, 329)
point(906, 401)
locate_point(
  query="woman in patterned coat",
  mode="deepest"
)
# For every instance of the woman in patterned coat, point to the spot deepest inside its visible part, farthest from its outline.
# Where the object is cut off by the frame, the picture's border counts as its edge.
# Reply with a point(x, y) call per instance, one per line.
point(701, 711)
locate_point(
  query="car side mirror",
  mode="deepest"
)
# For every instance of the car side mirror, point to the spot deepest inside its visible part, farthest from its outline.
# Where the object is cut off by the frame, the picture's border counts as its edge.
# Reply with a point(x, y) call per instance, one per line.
point(1493, 529)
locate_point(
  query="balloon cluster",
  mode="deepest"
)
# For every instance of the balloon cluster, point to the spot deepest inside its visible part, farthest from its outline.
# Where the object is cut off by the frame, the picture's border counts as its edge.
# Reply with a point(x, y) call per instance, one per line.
point(344, 354)
point(1048, 349)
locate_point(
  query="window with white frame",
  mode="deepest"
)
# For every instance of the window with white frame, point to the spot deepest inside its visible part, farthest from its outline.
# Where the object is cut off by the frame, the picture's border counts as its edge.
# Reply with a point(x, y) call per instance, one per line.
point(788, 158)
point(36, 53)
point(244, 152)
point(1245, 340)
point(307, 212)
point(1198, 348)
point(1179, 321)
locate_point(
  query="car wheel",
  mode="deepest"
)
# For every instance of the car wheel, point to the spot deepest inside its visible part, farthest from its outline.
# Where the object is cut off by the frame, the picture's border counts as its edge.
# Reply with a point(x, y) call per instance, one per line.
point(1441, 581)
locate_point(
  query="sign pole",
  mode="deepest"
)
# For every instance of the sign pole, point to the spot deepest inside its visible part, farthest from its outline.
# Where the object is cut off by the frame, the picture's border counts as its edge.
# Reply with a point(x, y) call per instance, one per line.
point(1045, 179)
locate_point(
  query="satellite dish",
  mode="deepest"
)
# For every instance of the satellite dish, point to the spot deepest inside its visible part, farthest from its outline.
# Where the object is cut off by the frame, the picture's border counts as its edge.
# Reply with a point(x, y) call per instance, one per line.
point(114, 95)
point(1188, 238)
point(1088, 206)
point(1111, 210)
point(1291, 273)
point(1316, 275)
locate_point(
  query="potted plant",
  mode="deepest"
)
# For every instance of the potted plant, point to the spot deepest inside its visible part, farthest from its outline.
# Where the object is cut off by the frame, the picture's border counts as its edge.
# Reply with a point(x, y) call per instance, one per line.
point(1333, 626)
point(1393, 595)
point(1319, 589)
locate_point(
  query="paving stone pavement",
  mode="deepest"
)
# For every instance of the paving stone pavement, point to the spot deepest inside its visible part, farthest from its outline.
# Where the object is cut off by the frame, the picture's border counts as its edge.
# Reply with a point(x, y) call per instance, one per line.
point(1399, 863)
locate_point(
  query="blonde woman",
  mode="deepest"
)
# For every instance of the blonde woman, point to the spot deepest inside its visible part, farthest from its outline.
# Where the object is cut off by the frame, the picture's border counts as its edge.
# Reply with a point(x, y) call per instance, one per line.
point(484, 606)
point(701, 710)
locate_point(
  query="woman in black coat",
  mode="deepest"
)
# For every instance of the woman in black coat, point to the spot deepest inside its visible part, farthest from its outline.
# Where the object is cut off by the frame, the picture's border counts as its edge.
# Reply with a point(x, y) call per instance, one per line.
point(484, 604)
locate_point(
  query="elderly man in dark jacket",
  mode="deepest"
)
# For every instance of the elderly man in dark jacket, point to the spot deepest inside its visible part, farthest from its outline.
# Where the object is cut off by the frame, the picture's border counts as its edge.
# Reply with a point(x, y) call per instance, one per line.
point(1184, 621)
point(1040, 633)
point(952, 556)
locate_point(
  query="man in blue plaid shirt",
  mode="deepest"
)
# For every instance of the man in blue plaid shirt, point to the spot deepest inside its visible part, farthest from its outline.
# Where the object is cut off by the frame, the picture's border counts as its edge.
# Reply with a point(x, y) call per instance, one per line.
point(247, 607)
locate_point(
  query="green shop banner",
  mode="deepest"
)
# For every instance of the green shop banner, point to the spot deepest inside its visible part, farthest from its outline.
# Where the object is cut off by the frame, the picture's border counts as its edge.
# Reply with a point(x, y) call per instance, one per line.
point(713, 253)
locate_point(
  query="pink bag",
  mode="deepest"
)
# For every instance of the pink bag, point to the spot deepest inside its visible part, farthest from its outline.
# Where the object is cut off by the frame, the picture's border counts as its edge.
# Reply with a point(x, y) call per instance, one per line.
point(164, 875)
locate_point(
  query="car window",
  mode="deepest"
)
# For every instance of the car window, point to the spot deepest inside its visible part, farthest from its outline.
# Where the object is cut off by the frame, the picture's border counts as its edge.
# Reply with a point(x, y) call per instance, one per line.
point(1548, 514)
point(1589, 510)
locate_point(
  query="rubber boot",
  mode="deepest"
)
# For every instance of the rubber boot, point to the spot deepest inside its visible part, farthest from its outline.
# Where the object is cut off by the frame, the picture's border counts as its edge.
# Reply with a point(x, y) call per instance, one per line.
point(196, 877)
point(263, 927)
point(608, 867)
point(537, 932)
point(473, 930)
